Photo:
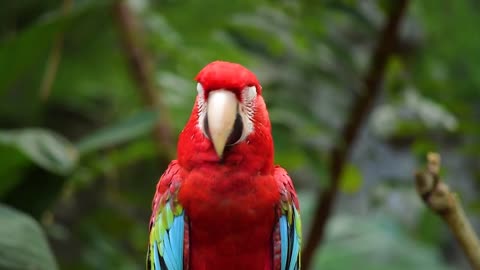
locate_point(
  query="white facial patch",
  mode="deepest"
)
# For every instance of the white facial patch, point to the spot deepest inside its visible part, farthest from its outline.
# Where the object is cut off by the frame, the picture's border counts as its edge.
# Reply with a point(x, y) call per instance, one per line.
point(247, 110)
point(202, 108)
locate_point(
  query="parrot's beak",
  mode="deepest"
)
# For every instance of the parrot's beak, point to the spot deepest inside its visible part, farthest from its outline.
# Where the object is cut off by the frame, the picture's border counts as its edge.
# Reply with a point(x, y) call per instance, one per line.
point(222, 109)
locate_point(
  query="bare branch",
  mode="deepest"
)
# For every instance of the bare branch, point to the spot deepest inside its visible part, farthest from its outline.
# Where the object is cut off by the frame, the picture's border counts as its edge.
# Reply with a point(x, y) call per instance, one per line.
point(361, 108)
point(54, 58)
point(438, 197)
point(141, 69)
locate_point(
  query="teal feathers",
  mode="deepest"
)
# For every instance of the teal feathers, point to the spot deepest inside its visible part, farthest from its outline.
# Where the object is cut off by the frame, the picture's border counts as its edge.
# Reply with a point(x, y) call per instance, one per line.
point(166, 238)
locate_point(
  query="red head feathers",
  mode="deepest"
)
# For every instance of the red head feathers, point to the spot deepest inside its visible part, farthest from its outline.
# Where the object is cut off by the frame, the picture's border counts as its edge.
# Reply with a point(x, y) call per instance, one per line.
point(227, 129)
point(226, 75)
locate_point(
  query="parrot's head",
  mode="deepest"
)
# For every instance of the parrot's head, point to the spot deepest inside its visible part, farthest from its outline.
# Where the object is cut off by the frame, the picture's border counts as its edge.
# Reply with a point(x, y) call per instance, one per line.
point(229, 122)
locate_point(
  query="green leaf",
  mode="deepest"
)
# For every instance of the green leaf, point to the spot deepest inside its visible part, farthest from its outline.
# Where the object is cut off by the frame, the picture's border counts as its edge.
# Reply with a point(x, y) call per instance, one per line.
point(128, 129)
point(30, 46)
point(23, 244)
point(47, 149)
point(12, 169)
point(351, 179)
point(18, 54)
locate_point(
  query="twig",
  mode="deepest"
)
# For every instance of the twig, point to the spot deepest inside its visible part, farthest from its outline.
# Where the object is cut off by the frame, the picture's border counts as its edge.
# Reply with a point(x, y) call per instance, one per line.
point(361, 108)
point(141, 69)
point(54, 58)
point(438, 197)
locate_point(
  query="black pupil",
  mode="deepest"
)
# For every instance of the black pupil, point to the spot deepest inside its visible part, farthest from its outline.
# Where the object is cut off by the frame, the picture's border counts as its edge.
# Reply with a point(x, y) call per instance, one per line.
point(236, 131)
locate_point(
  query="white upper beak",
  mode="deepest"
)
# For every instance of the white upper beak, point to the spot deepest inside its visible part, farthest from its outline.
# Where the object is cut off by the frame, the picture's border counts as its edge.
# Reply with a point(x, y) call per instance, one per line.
point(222, 107)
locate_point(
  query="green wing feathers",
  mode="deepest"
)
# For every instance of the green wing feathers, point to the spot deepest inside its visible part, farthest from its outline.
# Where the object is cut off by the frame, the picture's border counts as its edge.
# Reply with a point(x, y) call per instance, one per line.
point(167, 225)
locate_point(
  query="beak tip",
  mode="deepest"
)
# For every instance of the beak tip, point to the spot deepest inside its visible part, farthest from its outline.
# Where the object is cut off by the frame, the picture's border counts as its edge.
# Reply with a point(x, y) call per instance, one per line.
point(219, 151)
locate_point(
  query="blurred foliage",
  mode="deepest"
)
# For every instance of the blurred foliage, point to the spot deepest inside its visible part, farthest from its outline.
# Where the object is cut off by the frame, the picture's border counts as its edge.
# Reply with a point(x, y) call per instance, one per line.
point(47, 149)
point(376, 243)
point(23, 244)
point(82, 161)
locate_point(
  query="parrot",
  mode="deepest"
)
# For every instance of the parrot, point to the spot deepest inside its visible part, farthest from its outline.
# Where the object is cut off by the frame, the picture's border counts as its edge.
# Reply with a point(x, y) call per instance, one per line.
point(223, 203)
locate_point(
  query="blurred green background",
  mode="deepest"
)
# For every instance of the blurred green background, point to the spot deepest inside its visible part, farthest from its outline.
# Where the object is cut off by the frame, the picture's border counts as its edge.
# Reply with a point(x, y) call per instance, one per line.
point(79, 164)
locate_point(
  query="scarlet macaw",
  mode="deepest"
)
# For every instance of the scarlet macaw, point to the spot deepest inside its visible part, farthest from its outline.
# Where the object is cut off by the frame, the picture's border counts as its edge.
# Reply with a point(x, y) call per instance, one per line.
point(223, 204)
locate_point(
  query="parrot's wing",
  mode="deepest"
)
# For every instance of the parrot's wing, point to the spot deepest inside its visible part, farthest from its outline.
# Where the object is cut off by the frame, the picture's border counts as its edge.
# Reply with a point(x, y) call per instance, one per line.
point(167, 224)
point(289, 226)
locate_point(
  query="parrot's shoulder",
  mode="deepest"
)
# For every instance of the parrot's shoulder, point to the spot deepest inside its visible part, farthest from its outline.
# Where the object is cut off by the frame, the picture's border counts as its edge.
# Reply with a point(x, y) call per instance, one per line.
point(285, 184)
point(167, 185)
point(169, 177)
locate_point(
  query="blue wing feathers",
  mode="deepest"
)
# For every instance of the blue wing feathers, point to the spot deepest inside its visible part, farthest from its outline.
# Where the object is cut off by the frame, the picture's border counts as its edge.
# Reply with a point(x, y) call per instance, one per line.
point(167, 248)
point(156, 257)
point(177, 240)
point(167, 252)
point(290, 242)
point(296, 243)
point(284, 242)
